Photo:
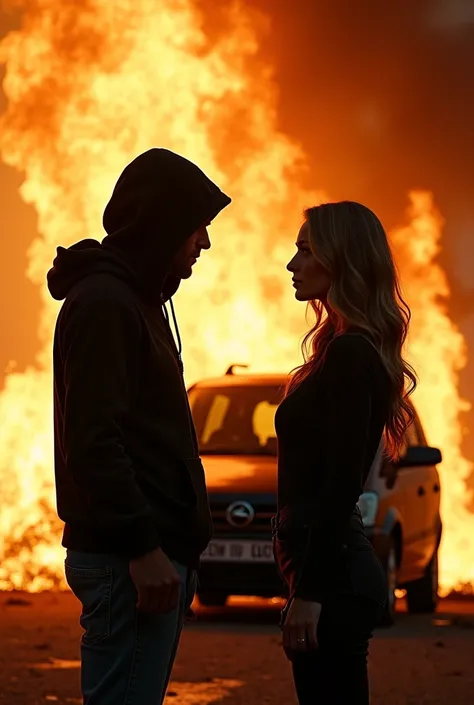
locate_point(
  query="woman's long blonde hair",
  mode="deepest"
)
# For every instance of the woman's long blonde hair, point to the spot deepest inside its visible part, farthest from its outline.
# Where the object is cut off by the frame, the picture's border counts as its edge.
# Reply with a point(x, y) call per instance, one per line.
point(351, 244)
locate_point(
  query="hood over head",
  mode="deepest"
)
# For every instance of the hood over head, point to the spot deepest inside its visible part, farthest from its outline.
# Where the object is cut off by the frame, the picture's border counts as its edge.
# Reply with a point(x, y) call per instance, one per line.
point(158, 202)
point(78, 261)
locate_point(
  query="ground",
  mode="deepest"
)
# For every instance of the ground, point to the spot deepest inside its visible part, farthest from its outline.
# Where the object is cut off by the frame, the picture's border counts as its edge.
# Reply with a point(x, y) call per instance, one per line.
point(233, 656)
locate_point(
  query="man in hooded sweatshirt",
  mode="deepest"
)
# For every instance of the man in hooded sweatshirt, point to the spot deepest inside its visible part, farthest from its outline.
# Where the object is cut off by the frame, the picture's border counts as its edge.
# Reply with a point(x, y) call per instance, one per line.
point(130, 486)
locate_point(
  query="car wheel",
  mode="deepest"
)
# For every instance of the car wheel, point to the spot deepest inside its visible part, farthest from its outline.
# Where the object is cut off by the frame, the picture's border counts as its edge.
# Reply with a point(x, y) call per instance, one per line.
point(422, 594)
point(212, 599)
point(391, 569)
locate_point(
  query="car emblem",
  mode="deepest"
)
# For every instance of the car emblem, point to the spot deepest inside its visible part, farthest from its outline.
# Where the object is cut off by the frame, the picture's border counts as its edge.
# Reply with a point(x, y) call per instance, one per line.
point(240, 514)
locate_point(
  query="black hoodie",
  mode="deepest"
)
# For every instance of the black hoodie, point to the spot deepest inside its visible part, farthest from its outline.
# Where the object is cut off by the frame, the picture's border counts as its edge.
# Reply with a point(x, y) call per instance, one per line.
point(128, 474)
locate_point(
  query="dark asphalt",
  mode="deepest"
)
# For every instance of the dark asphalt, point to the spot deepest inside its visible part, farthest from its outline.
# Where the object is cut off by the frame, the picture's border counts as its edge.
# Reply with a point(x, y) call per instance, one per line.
point(233, 656)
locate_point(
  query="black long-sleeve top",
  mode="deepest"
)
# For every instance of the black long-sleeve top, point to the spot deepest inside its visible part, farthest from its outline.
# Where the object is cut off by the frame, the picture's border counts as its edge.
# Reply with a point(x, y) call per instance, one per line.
point(329, 429)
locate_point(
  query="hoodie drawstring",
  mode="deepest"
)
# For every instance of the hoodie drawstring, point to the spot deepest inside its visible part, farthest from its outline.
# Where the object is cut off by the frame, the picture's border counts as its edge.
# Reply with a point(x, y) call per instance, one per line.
point(176, 328)
point(179, 348)
point(175, 323)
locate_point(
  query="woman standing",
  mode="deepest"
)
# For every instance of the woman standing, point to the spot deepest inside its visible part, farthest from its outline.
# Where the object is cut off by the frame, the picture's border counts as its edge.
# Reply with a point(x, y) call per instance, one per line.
point(348, 397)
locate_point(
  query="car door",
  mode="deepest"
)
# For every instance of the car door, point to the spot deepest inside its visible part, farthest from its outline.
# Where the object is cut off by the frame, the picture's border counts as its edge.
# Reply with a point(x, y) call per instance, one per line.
point(431, 485)
point(411, 486)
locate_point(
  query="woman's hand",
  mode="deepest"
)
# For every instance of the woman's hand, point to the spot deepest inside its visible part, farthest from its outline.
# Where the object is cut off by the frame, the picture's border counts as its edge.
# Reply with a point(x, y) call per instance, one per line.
point(300, 627)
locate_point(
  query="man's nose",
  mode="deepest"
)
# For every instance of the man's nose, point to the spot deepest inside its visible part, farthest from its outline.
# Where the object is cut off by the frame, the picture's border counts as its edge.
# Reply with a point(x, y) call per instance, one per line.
point(205, 241)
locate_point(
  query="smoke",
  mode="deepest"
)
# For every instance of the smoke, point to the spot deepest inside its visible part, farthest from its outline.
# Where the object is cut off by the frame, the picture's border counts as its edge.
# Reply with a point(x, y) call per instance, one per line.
point(451, 15)
point(380, 94)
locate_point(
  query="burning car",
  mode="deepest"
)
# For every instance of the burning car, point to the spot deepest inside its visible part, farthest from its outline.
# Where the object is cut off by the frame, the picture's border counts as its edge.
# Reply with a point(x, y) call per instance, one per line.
point(234, 417)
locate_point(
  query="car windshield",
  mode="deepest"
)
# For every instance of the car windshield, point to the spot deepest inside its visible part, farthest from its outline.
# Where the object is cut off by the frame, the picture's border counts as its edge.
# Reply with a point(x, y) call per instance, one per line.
point(236, 420)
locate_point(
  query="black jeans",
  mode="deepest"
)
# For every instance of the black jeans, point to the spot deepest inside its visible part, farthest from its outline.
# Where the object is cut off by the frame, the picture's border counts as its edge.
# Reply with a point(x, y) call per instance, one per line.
point(354, 598)
point(336, 672)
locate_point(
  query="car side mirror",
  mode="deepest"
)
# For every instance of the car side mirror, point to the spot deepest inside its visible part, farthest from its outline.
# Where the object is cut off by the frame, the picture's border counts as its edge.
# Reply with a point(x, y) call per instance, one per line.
point(420, 456)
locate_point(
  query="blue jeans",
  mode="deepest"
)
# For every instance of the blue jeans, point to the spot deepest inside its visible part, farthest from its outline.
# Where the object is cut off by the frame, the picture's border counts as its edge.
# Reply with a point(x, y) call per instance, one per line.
point(126, 655)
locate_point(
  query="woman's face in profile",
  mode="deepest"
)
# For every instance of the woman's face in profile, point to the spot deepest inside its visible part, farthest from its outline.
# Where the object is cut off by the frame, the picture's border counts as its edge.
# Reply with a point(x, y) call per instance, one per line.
point(310, 279)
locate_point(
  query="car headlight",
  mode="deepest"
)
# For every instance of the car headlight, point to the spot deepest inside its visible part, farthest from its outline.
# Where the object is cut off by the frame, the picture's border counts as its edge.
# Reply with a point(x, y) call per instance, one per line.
point(368, 504)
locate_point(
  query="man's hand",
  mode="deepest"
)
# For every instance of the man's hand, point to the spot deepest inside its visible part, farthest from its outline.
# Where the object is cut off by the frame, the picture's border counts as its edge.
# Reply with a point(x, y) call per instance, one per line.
point(300, 627)
point(157, 582)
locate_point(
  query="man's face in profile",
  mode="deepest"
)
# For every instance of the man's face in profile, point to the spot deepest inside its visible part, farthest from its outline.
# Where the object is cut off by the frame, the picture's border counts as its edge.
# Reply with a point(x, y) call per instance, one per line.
point(182, 263)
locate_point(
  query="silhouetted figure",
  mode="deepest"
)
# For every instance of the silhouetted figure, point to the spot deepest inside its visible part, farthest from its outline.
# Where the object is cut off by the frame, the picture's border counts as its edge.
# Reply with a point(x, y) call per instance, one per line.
point(329, 426)
point(129, 482)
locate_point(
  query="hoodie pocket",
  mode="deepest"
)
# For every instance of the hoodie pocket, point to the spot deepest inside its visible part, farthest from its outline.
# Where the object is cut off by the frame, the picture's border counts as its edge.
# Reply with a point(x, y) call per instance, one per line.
point(190, 494)
point(197, 483)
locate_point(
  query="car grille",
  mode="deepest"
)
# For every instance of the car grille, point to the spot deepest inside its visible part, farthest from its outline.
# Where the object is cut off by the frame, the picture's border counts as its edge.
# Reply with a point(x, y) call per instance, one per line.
point(259, 526)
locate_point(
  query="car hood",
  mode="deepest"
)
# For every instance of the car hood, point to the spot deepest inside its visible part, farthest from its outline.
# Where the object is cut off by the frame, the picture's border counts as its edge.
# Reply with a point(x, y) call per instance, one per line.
point(240, 473)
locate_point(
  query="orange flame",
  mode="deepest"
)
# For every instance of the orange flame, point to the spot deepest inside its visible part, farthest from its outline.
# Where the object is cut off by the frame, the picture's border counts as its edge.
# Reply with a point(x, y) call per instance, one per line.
point(438, 352)
point(89, 86)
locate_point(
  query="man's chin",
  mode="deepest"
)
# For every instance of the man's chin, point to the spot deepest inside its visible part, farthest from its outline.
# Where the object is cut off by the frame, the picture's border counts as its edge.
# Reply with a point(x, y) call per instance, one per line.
point(186, 273)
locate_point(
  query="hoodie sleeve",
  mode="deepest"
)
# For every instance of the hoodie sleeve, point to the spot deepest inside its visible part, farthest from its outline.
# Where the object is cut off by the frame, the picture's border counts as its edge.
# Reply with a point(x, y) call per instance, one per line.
point(100, 346)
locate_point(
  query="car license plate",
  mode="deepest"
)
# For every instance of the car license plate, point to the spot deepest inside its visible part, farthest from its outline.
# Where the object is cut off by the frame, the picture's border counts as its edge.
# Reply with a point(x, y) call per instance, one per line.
point(239, 551)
